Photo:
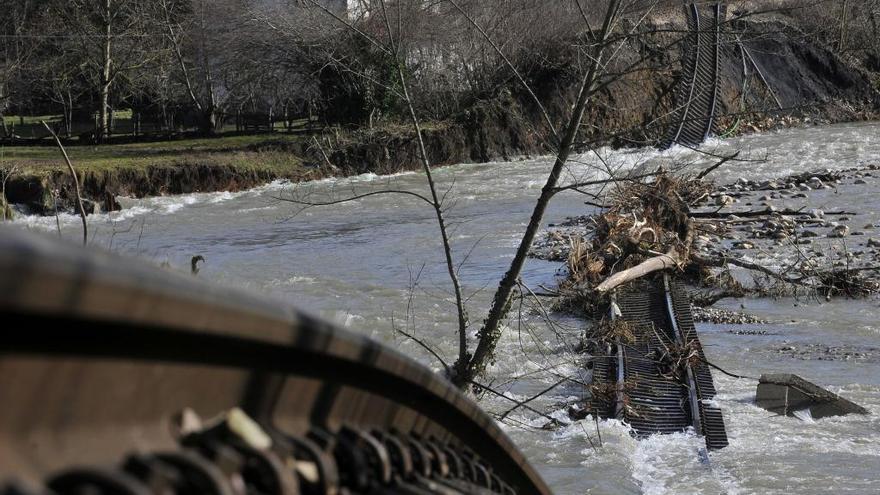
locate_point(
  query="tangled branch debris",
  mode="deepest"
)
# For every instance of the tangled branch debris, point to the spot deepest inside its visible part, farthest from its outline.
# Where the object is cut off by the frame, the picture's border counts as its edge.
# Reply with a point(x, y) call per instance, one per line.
point(612, 331)
point(645, 229)
point(674, 359)
point(650, 225)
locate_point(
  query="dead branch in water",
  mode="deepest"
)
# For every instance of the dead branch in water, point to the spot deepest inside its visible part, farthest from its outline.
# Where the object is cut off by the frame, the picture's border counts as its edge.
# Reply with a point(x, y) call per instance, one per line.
point(704, 173)
point(760, 213)
point(672, 259)
point(79, 202)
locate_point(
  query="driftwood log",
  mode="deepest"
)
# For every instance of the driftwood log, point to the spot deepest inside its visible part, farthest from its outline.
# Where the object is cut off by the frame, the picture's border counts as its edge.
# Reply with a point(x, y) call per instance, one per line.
point(676, 257)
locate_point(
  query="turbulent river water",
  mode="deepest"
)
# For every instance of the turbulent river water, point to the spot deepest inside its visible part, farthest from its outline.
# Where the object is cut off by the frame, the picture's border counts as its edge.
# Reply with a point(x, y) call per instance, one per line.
point(376, 263)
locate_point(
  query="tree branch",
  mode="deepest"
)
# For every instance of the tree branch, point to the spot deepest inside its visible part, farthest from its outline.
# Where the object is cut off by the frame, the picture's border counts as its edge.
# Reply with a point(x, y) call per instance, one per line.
point(354, 198)
point(79, 203)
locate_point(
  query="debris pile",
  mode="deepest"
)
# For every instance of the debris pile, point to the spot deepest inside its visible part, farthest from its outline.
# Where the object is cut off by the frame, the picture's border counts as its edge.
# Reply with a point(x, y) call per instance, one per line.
point(689, 225)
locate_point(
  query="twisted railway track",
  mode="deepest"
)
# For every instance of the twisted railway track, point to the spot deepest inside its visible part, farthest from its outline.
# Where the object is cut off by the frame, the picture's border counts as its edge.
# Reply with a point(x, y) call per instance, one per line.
point(697, 91)
point(121, 378)
point(662, 381)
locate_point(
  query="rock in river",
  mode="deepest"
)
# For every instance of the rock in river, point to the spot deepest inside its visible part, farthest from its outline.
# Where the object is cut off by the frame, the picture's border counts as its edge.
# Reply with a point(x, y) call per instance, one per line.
point(723, 200)
point(839, 231)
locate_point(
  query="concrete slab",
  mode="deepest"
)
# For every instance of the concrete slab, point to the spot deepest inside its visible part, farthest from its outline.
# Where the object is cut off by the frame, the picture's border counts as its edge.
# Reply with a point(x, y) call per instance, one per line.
point(784, 393)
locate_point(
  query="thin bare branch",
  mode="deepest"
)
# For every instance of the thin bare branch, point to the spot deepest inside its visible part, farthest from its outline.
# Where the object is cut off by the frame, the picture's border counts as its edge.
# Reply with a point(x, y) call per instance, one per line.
point(353, 198)
point(79, 203)
point(510, 65)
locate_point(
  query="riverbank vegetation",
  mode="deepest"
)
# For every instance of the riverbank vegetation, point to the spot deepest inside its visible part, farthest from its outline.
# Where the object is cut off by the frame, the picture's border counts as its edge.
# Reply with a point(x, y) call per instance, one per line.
point(123, 70)
point(287, 95)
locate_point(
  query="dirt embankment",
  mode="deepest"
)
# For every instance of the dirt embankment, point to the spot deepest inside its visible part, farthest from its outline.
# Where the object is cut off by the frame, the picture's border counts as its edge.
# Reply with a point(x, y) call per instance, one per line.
point(487, 132)
point(42, 193)
point(798, 81)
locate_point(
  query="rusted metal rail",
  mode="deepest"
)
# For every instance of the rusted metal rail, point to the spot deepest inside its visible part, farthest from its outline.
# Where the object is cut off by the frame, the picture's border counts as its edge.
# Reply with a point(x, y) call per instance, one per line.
point(105, 362)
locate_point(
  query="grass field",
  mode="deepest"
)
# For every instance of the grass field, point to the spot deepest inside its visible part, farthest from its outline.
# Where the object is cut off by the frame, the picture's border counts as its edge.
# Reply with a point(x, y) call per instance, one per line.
point(31, 127)
point(36, 119)
point(227, 150)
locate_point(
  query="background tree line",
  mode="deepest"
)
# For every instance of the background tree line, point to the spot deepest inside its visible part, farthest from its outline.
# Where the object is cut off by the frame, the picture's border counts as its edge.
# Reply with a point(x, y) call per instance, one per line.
point(195, 64)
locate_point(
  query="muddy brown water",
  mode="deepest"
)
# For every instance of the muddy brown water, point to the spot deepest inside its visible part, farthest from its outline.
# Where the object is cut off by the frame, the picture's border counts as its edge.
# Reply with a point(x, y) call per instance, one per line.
point(376, 263)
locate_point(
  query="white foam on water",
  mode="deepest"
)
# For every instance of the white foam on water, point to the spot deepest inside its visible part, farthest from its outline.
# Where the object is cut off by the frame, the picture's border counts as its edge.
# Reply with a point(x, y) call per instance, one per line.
point(40, 222)
point(128, 213)
point(804, 415)
point(222, 196)
point(256, 209)
point(346, 319)
point(172, 204)
point(664, 464)
point(295, 280)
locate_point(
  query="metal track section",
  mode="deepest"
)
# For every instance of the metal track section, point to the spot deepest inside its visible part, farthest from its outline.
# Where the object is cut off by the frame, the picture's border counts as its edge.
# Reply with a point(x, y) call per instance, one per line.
point(117, 377)
point(659, 391)
point(697, 92)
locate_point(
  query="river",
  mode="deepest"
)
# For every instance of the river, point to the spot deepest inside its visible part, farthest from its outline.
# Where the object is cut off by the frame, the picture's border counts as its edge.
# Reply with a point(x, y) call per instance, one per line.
point(375, 263)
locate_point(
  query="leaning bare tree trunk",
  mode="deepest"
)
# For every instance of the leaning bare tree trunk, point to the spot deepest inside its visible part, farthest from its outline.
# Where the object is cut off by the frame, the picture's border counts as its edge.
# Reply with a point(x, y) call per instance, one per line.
point(178, 54)
point(465, 371)
point(441, 222)
point(438, 206)
point(79, 202)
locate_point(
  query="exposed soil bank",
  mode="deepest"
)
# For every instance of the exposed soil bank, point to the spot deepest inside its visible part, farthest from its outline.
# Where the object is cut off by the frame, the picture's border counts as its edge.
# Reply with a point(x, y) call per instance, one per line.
point(487, 132)
point(809, 82)
point(42, 193)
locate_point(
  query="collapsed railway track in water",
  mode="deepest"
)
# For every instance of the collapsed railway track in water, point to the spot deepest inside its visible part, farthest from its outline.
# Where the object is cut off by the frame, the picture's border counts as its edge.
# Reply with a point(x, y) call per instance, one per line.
point(696, 95)
point(659, 374)
point(108, 366)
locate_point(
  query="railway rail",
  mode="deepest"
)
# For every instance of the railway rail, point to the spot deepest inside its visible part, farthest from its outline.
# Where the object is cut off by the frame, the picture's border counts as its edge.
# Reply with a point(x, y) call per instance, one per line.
point(697, 91)
point(662, 381)
point(121, 378)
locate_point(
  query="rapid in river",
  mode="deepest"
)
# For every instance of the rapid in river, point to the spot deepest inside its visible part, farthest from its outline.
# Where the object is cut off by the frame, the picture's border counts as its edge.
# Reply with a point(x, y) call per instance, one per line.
point(376, 264)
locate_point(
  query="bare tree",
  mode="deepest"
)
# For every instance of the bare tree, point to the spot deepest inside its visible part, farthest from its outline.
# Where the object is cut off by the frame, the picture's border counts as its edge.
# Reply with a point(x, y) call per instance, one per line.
point(216, 54)
point(190, 39)
point(112, 38)
point(6, 172)
point(469, 364)
point(17, 50)
point(467, 370)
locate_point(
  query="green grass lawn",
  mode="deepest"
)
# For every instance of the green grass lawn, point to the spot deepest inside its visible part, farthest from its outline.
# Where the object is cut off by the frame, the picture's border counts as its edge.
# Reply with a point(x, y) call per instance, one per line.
point(29, 119)
point(227, 150)
point(124, 114)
